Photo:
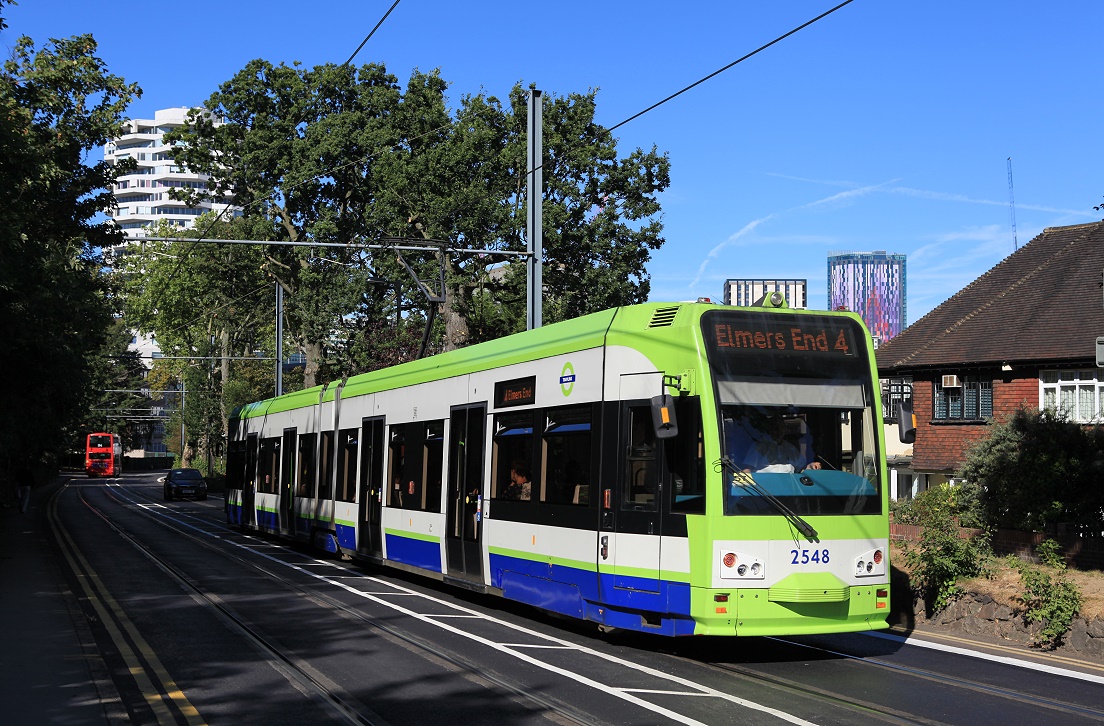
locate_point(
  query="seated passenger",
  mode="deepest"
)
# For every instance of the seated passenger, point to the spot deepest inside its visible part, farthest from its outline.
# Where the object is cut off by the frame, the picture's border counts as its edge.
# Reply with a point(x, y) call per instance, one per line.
point(519, 489)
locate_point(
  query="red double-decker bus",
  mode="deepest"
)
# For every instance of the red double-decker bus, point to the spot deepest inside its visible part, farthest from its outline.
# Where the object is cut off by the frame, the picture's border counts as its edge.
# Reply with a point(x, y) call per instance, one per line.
point(103, 455)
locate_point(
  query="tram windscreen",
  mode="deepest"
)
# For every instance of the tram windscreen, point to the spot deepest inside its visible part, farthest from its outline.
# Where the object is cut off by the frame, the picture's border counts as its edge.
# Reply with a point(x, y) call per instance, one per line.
point(797, 414)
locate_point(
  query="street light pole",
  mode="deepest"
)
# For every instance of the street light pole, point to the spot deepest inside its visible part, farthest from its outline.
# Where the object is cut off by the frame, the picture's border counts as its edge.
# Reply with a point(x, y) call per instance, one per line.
point(182, 391)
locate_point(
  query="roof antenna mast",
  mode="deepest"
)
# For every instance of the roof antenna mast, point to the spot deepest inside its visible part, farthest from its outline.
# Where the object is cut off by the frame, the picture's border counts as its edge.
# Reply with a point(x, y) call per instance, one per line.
point(1012, 207)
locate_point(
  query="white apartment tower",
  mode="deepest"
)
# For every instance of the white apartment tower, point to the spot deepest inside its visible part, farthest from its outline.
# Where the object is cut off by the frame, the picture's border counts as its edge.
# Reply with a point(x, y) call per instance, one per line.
point(747, 291)
point(143, 195)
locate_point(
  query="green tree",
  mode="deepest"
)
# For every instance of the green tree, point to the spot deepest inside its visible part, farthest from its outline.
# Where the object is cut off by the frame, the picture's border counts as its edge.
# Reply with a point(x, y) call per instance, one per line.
point(295, 147)
point(600, 212)
point(601, 215)
point(336, 154)
point(210, 305)
point(113, 401)
point(56, 104)
point(1039, 469)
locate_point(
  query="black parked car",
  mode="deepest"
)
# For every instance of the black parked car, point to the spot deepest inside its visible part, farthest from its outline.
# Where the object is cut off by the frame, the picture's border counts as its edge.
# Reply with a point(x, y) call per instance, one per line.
point(185, 483)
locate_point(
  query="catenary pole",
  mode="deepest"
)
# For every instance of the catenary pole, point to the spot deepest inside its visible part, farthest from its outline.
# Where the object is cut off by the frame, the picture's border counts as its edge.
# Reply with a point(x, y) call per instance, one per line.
point(534, 234)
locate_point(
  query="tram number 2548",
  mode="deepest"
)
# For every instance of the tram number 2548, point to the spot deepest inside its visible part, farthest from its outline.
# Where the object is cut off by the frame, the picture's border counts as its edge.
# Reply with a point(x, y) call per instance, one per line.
point(807, 557)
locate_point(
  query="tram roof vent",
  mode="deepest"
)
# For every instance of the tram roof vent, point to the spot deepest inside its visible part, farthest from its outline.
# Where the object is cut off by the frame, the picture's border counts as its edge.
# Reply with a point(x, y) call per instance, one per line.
point(663, 317)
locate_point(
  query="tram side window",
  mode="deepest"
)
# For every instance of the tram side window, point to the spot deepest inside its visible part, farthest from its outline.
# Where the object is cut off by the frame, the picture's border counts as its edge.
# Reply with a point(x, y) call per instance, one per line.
point(325, 465)
point(396, 466)
point(287, 467)
point(416, 465)
point(346, 465)
point(306, 465)
point(642, 470)
point(685, 456)
point(566, 460)
point(512, 470)
point(235, 465)
point(434, 460)
point(269, 465)
point(252, 445)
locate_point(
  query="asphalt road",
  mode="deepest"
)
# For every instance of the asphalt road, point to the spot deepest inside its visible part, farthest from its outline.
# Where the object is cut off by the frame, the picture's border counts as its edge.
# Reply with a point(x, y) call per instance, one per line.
point(196, 622)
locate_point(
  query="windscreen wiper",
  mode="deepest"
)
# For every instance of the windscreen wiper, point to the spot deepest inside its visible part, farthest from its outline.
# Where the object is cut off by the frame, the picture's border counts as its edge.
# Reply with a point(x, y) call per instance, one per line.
point(744, 479)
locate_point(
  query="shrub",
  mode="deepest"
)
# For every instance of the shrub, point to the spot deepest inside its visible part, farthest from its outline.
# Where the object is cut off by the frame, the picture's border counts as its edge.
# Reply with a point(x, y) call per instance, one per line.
point(942, 558)
point(959, 501)
point(1049, 596)
point(1039, 469)
point(1050, 554)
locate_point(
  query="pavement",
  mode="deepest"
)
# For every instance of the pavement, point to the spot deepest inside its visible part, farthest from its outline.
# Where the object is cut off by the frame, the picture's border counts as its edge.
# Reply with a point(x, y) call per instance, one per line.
point(52, 670)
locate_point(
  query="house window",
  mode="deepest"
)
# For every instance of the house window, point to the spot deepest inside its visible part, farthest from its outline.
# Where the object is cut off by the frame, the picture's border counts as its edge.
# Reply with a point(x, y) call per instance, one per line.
point(894, 392)
point(963, 398)
point(1075, 393)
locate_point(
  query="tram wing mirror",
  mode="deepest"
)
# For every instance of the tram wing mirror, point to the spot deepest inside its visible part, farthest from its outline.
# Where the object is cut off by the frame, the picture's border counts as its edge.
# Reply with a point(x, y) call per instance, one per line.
point(663, 417)
point(906, 423)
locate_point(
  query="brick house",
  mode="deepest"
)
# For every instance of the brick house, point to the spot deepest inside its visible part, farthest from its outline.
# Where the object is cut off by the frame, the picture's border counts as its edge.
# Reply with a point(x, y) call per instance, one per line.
point(1024, 333)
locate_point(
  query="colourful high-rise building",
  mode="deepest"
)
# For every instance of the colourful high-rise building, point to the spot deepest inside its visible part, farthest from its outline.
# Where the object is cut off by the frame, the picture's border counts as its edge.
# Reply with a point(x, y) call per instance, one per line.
point(871, 284)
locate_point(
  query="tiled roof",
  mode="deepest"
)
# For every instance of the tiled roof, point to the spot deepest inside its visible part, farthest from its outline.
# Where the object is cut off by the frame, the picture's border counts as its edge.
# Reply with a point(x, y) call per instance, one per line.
point(1042, 304)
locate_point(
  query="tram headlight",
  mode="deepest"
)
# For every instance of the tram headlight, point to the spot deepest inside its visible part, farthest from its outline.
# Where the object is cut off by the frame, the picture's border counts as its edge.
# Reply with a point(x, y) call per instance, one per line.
point(871, 563)
point(734, 565)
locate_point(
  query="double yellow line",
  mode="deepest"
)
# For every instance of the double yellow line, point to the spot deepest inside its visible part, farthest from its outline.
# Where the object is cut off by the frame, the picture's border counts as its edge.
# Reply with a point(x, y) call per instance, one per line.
point(154, 682)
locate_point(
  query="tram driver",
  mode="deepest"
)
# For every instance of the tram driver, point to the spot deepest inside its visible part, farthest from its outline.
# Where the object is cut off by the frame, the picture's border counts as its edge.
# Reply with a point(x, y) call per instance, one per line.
point(773, 448)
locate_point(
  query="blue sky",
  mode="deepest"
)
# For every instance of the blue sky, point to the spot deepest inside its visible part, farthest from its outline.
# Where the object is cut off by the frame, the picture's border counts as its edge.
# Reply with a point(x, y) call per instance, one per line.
point(885, 126)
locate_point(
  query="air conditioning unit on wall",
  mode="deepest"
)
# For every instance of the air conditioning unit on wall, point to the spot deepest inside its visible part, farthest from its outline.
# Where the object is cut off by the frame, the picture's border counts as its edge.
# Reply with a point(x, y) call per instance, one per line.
point(951, 382)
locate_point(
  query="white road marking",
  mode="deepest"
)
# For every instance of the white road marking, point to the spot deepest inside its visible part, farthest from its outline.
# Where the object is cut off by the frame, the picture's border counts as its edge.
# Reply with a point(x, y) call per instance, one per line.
point(1006, 660)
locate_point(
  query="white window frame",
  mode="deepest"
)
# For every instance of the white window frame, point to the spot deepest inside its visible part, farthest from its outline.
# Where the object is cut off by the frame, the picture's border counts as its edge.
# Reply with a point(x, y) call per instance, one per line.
point(1077, 393)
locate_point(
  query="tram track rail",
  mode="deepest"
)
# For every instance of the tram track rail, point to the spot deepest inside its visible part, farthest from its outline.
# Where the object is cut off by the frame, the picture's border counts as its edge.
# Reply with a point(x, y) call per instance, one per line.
point(872, 710)
point(972, 686)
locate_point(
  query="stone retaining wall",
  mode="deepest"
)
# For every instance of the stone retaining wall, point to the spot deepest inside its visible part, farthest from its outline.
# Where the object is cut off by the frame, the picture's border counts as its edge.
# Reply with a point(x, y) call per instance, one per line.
point(976, 614)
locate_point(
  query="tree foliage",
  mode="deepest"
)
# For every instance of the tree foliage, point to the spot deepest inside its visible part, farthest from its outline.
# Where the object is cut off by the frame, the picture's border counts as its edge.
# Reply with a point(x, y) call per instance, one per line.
point(56, 104)
point(211, 306)
point(335, 154)
point(113, 398)
point(1039, 469)
point(293, 147)
point(960, 502)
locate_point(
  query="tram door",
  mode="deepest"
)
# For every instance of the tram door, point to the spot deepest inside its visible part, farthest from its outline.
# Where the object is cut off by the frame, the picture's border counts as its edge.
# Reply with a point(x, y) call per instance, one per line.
point(369, 534)
point(467, 431)
point(287, 474)
point(638, 494)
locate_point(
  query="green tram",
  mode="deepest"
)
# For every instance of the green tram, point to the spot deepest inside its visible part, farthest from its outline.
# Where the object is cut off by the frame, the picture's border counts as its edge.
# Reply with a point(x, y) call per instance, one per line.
point(646, 501)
